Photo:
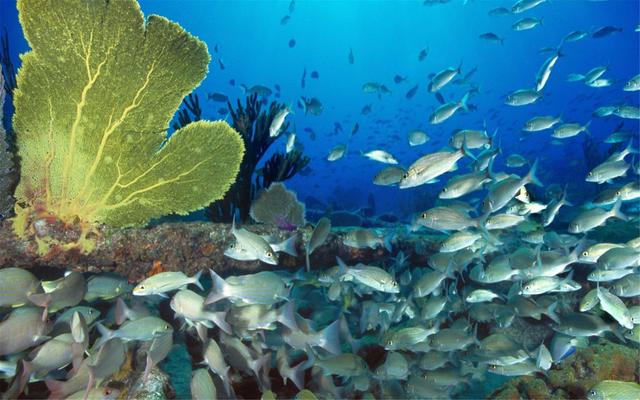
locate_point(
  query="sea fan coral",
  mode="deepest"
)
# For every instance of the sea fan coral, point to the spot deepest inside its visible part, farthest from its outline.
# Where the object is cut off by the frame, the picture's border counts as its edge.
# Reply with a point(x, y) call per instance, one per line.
point(94, 99)
point(278, 206)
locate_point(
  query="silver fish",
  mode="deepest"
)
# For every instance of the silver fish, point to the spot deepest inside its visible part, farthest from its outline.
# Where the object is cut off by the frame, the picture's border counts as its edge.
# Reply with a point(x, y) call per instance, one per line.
point(166, 282)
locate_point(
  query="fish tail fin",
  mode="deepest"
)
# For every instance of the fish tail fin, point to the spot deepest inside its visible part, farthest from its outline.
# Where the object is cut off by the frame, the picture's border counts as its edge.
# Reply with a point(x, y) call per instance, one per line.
point(219, 318)
point(287, 315)
point(306, 258)
point(492, 138)
point(330, 338)
point(56, 389)
point(122, 311)
point(258, 365)
point(289, 246)
point(616, 211)
point(40, 299)
point(564, 200)
point(218, 287)
point(24, 370)
point(196, 280)
point(466, 152)
point(459, 69)
point(386, 242)
point(531, 176)
point(463, 101)
point(551, 312)
point(296, 374)
point(105, 334)
point(629, 149)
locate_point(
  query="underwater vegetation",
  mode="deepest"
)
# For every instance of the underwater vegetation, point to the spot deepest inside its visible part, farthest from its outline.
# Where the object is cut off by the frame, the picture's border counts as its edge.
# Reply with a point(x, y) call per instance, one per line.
point(253, 123)
point(278, 206)
point(7, 169)
point(93, 101)
point(496, 280)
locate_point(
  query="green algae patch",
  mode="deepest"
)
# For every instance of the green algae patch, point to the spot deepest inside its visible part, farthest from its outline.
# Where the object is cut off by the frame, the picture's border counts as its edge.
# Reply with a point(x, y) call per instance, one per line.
point(95, 97)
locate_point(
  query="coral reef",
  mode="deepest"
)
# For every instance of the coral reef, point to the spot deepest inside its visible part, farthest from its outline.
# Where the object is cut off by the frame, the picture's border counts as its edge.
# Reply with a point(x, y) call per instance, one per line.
point(7, 170)
point(253, 125)
point(278, 206)
point(91, 118)
point(573, 377)
point(194, 246)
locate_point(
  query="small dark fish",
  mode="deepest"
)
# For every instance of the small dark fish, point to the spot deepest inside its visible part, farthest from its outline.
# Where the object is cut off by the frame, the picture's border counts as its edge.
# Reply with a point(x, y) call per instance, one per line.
point(605, 31)
point(277, 87)
point(440, 98)
point(491, 37)
point(284, 20)
point(499, 11)
point(411, 92)
point(222, 110)
point(423, 54)
point(292, 43)
point(302, 81)
point(314, 75)
point(399, 79)
point(307, 129)
point(219, 97)
point(312, 135)
point(306, 172)
point(337, 127)
point(232, 82)
point(220, 63)
point(366, 109)
point(351, 58)
point(292, 6)
point(355, 129)
point(277, 95)
point(215, 48)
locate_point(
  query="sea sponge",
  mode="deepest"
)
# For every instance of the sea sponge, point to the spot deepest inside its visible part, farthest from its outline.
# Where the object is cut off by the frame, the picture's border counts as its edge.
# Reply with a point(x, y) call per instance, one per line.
point(278, 206)
point(95, 97)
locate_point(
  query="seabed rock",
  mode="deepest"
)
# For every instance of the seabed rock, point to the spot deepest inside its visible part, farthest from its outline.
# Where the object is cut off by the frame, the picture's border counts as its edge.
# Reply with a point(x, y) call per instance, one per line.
point(573, 377)
point(194, 246)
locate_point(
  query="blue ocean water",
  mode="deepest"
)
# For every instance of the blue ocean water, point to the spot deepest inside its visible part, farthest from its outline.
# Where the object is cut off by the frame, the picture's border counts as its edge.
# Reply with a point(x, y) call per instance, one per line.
point(386, 38)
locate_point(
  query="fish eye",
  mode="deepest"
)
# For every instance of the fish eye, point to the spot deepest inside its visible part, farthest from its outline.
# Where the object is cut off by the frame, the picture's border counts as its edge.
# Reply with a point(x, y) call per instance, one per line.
point(590, 173)
point(107, 391)
point(618, 193)
point(269, 254)
point(141, 287)
point(585, 253)
point(424, 215)
point(405, 176)
point(444, 189)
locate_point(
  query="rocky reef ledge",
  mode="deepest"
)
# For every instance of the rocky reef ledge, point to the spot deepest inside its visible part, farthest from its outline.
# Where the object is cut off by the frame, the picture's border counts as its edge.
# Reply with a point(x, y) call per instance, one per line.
point(192, 246)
